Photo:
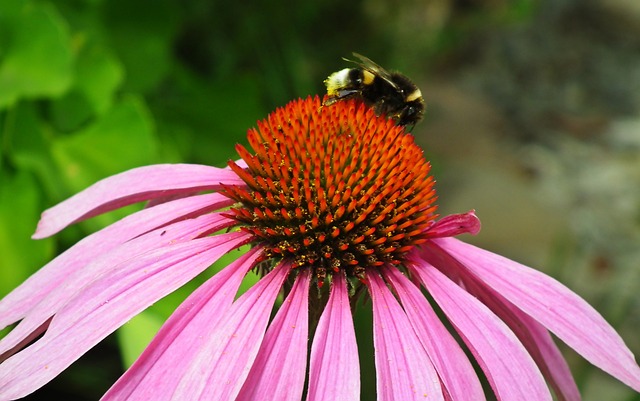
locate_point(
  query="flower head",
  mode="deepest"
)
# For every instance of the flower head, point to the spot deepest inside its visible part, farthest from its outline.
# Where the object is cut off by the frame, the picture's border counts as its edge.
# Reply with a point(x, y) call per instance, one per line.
point(335, 203)
point(344, 196)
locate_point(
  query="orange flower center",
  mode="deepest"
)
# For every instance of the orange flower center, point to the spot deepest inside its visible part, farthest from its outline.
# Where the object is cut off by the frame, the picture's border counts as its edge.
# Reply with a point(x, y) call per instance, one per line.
point(333, 188)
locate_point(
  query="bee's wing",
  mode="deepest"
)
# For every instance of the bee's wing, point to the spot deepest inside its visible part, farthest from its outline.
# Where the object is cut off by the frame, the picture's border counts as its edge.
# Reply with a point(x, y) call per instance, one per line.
point(373, 68)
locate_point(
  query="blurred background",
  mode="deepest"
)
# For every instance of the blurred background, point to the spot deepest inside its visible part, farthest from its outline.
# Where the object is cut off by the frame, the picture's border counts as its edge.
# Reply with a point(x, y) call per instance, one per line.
point(533, 120)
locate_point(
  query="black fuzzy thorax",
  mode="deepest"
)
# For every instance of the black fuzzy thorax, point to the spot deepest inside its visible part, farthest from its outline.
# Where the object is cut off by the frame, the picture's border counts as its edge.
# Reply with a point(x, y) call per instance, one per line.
point(389, 100)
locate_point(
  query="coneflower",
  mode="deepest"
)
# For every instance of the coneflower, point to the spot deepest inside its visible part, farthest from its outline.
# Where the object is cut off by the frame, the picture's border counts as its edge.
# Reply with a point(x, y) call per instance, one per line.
point(336, 203)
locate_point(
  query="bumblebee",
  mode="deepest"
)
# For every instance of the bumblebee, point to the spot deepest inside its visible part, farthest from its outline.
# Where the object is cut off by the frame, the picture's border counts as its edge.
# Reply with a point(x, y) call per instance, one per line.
point(388, 93)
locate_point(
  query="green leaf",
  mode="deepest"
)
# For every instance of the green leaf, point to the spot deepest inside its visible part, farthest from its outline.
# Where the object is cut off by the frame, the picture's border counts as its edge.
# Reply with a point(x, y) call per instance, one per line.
point(19, 211)
point(142, 35)
point(98, 76)
point(37, 58)
point(71, 111)
point(122, 139)
point(28, 148)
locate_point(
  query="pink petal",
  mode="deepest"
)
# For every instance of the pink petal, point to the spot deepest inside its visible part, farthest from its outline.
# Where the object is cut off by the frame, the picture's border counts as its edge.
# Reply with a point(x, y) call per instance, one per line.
point(76, 280)
point(552, 304)
point(130, 187)
point(16, 304)
point(279, 370)
point(450, 361)
point(223, 362)
point(550, 359)
point(404, 370)
point(106, 304)
point(334, 371)
point(156, 373)
point(456, 224)
point(533, 336)
point(512, 373)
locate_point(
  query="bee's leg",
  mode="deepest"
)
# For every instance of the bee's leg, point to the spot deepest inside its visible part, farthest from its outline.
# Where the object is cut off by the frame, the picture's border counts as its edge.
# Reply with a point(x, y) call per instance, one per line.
point(342, 94)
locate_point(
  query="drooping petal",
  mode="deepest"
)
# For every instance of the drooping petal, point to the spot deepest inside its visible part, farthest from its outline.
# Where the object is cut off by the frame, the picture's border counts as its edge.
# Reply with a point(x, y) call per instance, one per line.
point(136, 185)
point(552, 363)
point(76, 280)
point(156, 373)
point(512, 373)
point(279, 370)
point(219, 369)
point(334, 371)
point(403, 368)
point(552, 304)
point(15, 305)
point(450, 361)
point(535, 338)
point(105, 305)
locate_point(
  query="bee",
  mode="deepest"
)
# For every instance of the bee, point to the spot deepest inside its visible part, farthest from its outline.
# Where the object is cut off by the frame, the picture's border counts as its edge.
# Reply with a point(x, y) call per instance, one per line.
point(388, 93)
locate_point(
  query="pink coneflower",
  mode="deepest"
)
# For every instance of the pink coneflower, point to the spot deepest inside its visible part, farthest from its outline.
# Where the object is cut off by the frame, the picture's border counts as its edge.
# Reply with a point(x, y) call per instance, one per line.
point(336, 204)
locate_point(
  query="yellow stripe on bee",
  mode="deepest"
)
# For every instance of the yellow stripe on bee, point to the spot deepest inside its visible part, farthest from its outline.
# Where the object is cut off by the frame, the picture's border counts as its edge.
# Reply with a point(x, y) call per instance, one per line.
point(368, 77)
point(415, 95)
